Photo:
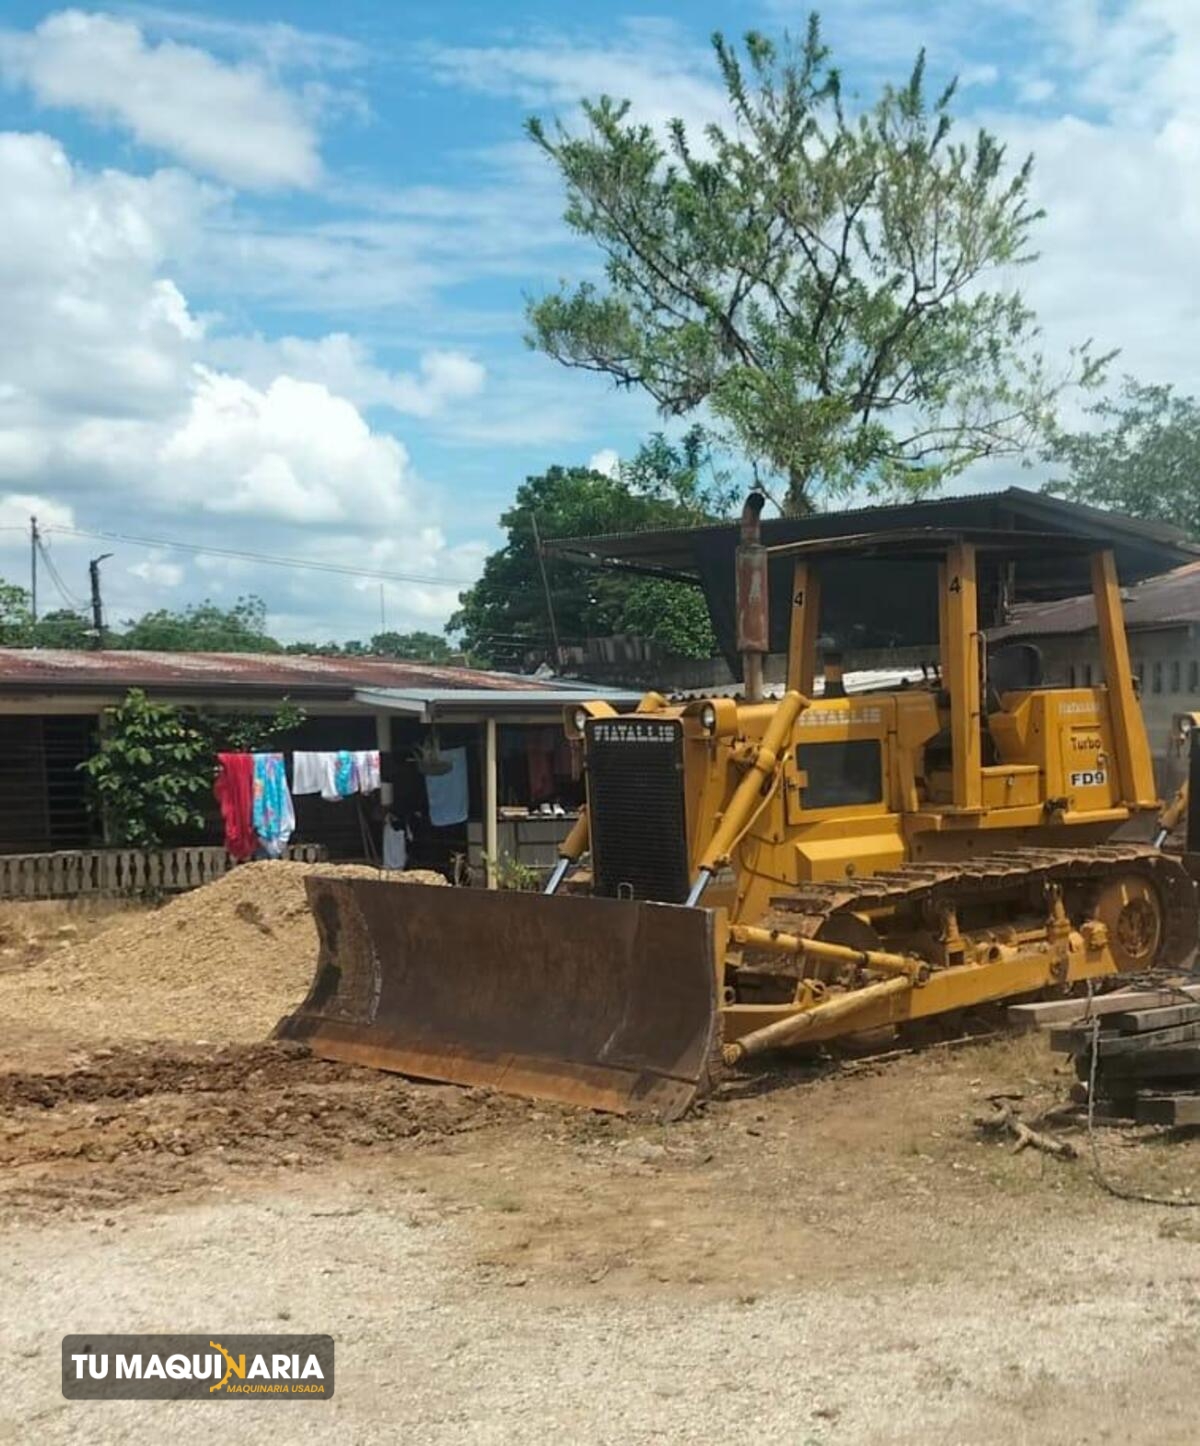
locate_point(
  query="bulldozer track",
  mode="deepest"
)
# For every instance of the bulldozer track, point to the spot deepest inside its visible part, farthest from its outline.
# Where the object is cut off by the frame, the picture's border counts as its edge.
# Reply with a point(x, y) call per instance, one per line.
point(929, 884)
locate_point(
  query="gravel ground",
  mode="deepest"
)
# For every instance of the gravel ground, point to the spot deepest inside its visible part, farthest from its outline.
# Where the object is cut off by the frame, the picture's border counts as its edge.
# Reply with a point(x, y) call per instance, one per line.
point(1059, 1341)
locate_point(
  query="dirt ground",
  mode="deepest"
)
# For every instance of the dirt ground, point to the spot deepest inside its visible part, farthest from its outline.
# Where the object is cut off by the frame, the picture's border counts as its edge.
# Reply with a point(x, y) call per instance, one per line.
point(822, 1254)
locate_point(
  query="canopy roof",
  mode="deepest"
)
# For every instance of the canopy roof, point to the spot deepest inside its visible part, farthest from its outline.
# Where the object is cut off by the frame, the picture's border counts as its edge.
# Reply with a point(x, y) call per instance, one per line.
point(879, 578)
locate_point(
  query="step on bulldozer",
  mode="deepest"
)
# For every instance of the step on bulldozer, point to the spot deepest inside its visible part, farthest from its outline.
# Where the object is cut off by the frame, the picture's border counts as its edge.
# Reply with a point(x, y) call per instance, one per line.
point(752, 874)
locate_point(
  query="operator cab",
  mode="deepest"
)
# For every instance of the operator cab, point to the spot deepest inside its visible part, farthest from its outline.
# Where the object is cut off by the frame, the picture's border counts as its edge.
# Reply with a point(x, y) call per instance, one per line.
point(989, 732)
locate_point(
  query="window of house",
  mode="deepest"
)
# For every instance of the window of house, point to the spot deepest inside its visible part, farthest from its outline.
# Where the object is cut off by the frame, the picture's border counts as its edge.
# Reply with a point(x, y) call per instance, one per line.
point(1139, 672)
point(1194, 676)
point(1071, 676)
point(1087, 675)
point(1157, 677)
point(1176, 676)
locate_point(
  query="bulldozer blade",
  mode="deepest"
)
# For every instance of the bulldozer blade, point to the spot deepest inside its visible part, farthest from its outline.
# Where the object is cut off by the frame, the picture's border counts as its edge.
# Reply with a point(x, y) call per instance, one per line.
point(606, 1003)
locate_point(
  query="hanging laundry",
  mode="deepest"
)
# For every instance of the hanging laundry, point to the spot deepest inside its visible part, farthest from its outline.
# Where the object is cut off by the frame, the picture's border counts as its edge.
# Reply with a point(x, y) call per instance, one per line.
point(395, 844)
point(309, 771)
point(273, 815)
point(234, 789)
point(344, 782)
point(568, 756)
point(539, 750)
point(337, 774)
point(366, 769)
point(317, 773)
point(447, 792)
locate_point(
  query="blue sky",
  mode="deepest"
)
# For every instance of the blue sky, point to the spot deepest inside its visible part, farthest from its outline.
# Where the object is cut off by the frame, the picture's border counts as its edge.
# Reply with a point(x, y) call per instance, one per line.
point(265, 266)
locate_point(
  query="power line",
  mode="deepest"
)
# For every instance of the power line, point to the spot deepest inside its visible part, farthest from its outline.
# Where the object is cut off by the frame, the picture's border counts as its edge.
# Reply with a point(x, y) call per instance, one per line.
point(72, 602)
point(266, 558)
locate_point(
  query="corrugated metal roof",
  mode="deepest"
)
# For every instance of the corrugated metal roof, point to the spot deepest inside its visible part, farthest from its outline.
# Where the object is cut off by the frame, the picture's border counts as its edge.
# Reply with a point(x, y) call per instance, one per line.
point(71, 670)
point(1170, 600)
point(862, 680)
point(447, 701)
point(674, 549)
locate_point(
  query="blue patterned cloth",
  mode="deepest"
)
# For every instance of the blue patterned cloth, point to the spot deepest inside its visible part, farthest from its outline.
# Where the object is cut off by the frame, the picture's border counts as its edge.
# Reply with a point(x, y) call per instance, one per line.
point(344, 777)
point(273, 816)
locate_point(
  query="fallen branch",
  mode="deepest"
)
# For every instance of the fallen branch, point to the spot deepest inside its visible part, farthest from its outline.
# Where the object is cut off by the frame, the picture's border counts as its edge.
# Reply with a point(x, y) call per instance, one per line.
point(1005, 1120)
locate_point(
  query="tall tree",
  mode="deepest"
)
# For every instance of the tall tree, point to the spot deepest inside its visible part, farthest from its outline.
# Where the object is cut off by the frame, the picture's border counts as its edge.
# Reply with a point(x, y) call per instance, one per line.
point(823, 281)
point(505, 614)
point(1141, 456)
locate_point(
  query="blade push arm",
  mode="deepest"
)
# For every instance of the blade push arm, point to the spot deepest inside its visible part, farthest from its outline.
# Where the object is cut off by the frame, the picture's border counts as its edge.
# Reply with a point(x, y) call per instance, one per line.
point(766, 762)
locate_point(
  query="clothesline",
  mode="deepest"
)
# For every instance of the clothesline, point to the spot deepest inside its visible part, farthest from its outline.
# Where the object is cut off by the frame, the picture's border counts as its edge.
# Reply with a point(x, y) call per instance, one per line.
point(336, 774)
point(256, 803)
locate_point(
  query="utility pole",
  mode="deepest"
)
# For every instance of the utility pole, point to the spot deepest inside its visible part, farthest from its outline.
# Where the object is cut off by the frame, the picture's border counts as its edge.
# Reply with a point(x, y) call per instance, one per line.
point(97, 605)
point(34, 542)
point(537, 543)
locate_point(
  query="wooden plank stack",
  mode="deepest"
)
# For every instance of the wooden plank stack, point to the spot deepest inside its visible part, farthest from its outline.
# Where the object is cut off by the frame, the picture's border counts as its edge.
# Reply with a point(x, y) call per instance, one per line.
point(1147, 1050)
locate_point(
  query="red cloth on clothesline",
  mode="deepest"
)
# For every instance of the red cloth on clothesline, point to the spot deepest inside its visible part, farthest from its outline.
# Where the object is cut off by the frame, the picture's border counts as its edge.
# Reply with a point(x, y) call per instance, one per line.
point(234, 789)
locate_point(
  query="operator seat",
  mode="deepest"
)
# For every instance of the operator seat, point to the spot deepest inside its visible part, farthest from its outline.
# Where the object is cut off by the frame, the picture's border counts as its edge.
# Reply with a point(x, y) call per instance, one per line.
point(1012, 668)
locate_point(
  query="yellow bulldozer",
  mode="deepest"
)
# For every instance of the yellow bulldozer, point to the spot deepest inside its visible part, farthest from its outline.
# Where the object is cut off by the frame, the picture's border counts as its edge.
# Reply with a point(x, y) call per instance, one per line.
point(754, 874)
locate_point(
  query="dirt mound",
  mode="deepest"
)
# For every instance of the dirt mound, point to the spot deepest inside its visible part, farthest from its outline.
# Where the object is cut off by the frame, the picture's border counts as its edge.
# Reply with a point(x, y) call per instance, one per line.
point(220, 964)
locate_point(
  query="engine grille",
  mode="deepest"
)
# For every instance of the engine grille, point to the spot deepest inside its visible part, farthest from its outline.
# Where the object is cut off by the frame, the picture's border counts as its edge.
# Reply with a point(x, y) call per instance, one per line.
point(636, 808)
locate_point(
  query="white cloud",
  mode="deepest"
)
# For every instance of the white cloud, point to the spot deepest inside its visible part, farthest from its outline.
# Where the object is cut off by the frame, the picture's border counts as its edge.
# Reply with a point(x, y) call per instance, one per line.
point(16, 508)
point(230, 121)
point(654, 64)
point(157, 571)
point(117, 407)
point(607, 461)
point(279, 45)
point(294, 451)
point(344, 365)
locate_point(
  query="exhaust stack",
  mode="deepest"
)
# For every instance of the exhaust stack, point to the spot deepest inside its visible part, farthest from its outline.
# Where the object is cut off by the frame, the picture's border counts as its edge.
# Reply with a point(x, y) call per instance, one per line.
point(753, 624)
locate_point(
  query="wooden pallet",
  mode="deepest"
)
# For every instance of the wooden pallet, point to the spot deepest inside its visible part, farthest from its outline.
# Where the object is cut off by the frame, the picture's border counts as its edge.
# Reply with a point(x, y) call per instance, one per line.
point(1045, 1014)
point(1147, 1058)
point(1173, 1109)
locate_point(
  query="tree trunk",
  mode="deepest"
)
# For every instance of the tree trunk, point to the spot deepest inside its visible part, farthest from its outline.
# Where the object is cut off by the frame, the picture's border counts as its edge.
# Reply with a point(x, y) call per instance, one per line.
point(796, 502)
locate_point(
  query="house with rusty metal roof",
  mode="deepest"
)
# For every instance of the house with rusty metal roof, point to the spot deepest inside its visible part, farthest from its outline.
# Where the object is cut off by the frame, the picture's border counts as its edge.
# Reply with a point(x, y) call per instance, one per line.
point(1162, 617)
point(52, 704)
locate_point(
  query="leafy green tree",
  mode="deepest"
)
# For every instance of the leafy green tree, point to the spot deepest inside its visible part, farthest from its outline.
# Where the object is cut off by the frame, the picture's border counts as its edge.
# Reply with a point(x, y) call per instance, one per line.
point(62, 628)
point(202, 628)
point(15, 618)
point(1141, 457)
point(682, 475)
point(504, 614)
point(669, 613)
point(152, 774)
point(246, 732)
point(823, 281)
point(418, 646)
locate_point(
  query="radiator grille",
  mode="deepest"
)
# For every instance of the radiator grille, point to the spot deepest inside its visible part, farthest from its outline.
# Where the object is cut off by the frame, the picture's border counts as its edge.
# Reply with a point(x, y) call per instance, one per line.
point(636, 808)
